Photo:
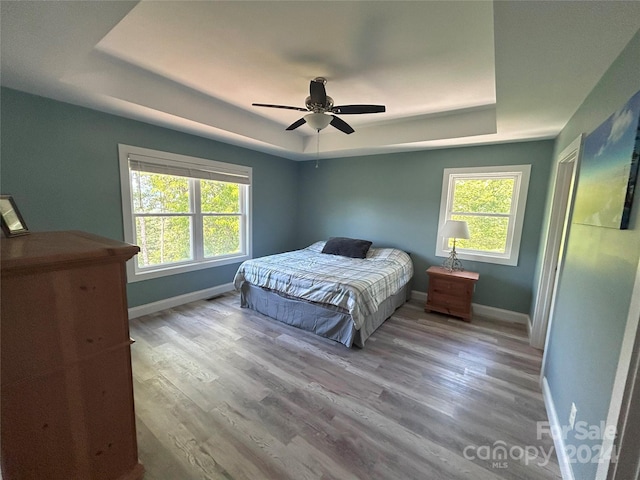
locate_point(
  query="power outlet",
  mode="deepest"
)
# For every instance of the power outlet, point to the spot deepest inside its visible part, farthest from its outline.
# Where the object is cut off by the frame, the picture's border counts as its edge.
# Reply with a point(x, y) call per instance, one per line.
point(572, 415)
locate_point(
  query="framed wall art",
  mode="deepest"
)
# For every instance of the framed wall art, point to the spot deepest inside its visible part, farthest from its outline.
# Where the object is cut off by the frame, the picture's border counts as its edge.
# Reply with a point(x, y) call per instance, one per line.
point(609, 170)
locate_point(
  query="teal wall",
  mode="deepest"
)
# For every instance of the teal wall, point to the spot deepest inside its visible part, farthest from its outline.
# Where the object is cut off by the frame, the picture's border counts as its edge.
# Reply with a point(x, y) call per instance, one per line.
point(394, 200)
point(597, 280)
point(60, 162)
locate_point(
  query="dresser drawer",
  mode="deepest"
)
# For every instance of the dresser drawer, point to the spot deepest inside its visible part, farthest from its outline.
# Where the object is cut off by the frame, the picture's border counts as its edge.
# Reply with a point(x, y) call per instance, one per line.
point(63, 317)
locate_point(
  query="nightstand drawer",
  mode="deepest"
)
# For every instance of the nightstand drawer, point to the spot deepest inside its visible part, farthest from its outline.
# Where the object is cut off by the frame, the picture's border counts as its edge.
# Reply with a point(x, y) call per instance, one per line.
point(455, 304)
point(450, 287)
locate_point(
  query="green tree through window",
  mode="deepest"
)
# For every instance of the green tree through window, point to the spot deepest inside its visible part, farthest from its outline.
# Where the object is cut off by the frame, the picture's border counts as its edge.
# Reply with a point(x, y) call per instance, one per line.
point(163, 218)
point(485, 205)
point(221, 217)
point(185, 213)
point(492, 201)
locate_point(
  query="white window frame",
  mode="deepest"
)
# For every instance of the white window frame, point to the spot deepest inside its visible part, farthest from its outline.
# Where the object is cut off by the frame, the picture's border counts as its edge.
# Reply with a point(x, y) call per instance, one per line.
point(195, 168)
point(520, 174)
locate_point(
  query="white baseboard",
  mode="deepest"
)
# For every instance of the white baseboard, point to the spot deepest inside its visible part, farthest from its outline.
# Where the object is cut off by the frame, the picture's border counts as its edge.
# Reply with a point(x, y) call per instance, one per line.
point(420, 296)
point(500, 314)
point(555, 426)
point(153, 307)
point(484, 310)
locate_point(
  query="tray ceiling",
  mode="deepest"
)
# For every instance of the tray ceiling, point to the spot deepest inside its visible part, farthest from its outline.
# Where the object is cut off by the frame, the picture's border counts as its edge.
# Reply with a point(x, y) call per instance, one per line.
point(449, 73)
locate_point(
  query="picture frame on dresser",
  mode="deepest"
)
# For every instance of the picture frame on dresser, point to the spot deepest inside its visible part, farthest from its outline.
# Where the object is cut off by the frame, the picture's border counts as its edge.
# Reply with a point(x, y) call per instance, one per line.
point(13, 224)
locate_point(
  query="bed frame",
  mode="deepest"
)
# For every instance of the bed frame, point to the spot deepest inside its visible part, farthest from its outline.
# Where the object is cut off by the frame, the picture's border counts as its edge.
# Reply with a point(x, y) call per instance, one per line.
point(325, 320)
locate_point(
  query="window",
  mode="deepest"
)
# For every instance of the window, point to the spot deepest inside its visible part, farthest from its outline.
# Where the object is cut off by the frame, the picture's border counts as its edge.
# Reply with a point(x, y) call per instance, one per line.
point(492, 201)
point(184, 213)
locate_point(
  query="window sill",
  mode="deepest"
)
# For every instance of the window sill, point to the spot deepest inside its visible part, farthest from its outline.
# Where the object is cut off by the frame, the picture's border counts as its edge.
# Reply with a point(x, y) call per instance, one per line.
point(478, 257)
point(165, 271)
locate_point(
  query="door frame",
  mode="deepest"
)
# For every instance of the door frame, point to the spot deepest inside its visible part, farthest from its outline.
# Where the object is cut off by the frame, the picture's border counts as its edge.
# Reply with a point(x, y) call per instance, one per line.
point(624, 412)
point(561, 203)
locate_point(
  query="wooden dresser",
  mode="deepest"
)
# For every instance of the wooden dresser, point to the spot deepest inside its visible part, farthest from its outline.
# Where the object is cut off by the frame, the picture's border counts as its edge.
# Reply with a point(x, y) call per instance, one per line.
point(451, 292)
point(67, 394)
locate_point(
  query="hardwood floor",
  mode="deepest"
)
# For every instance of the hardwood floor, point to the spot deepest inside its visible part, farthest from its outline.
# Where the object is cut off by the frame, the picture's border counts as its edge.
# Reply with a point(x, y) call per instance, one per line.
point(225, 393)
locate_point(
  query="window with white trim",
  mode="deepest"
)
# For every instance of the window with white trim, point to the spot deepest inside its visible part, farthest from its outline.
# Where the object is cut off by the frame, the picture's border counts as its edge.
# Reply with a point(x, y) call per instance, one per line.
point(185, 213)
point(492, 201)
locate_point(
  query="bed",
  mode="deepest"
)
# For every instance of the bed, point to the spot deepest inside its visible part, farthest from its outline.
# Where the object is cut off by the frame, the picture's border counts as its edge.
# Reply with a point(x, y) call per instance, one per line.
point(338, 297)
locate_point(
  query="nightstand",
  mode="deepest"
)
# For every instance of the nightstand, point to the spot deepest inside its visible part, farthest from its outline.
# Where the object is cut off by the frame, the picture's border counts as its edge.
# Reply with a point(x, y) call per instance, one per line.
point(451, 292)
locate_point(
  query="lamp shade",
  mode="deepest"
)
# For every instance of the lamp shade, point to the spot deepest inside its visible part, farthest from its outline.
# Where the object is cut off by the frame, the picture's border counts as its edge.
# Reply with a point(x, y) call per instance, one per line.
point(318, 121)
point(455, 229)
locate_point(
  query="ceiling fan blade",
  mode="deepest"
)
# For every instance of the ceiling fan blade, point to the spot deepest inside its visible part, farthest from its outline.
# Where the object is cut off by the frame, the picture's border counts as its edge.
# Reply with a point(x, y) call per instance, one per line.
point(341, 125)
point(296, 124)
point(318, 93)
point(355, 109)
point(300, 109)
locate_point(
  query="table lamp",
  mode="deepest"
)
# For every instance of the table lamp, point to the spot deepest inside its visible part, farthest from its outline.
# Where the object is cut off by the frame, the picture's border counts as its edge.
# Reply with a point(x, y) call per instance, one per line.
point(454, 229)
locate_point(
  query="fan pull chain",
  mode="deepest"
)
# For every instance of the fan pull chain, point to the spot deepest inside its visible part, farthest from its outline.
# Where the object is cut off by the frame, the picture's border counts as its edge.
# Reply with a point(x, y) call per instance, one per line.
point(318, 149)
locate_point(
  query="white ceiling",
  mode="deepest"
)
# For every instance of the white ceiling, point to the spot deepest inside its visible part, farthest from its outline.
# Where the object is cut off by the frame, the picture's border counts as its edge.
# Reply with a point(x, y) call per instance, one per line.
point(450, 73)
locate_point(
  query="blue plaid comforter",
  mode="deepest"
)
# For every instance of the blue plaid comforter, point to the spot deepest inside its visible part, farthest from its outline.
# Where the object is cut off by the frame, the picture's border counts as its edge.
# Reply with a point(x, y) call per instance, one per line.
point(356, 285)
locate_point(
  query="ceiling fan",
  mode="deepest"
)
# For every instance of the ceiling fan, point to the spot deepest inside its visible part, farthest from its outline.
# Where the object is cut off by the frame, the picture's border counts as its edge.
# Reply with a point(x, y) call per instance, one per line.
point(321, 106)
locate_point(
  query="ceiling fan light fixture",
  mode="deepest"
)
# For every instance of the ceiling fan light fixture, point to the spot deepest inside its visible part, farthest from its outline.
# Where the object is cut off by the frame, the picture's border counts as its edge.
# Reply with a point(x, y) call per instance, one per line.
point(318, 121)
point(320, 105)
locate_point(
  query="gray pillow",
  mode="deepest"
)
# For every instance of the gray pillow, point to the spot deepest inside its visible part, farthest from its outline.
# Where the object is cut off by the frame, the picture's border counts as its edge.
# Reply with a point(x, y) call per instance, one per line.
point(347, 247)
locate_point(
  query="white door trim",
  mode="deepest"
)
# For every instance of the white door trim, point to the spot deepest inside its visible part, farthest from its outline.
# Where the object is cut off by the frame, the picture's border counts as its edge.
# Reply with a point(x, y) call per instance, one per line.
point(622, 375)
point(554, 245)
